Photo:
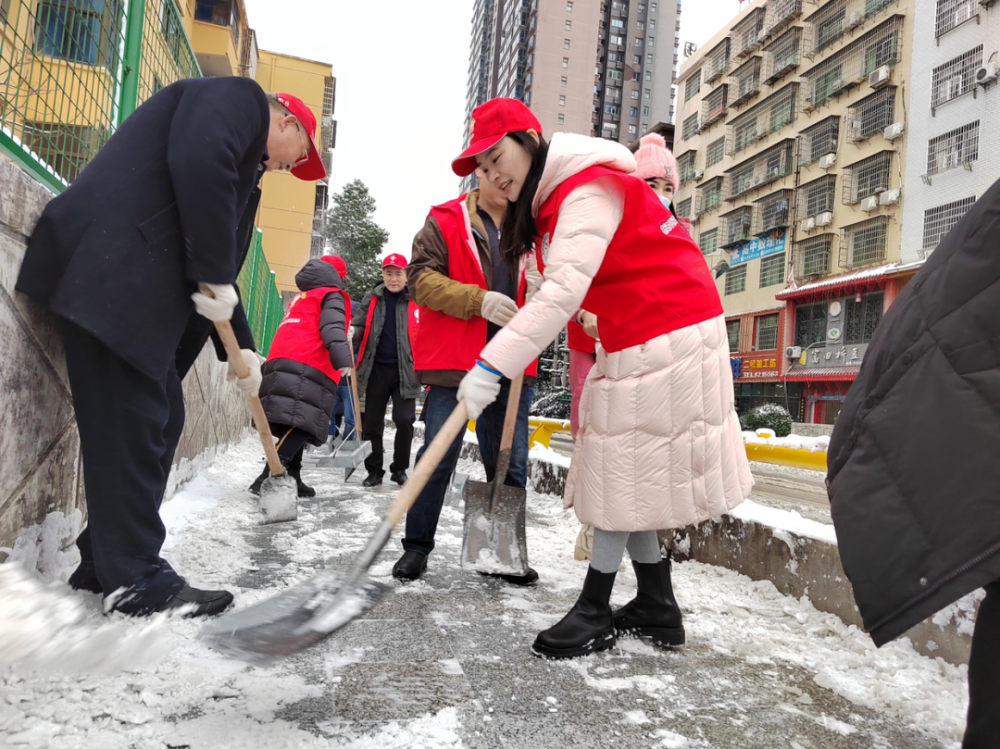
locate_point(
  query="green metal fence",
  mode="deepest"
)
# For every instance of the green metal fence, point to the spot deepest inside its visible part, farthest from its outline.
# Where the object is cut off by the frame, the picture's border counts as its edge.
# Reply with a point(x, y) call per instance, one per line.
point(72, 70)
point(261, 299)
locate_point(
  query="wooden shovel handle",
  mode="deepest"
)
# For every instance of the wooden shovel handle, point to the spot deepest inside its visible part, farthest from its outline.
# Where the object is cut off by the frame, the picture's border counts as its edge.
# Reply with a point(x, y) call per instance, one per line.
point(424, 468)
point(235, 356)
point(510, 415)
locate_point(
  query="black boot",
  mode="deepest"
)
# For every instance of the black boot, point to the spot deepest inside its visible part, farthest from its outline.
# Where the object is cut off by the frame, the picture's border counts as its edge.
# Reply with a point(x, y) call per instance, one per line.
point(255, 486)
point(84, 577)
point(589, 625)
point(410, 566)
point(398, 477)
point(304, 491)
point(374, 478)
point(653, 612)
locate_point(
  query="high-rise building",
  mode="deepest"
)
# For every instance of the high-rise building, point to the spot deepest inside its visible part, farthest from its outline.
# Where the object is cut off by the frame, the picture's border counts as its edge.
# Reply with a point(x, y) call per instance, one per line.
point(954, 105)
point(790, 144)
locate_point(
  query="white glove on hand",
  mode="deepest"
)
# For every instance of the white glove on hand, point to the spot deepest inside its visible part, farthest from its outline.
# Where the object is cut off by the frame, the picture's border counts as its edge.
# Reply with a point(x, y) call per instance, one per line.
point(219, 308)
point(344, 371)
point(533, 279)
point(250, 385)
point(498, 308)
point(479, 388)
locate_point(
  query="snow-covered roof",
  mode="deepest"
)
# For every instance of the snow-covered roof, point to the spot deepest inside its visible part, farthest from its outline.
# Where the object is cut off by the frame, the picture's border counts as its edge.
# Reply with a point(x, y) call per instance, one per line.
point(815, 373)
point(847, 278)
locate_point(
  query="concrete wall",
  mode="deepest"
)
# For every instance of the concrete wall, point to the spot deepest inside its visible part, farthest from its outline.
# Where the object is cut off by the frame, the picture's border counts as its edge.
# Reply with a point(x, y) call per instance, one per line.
point(41, 469)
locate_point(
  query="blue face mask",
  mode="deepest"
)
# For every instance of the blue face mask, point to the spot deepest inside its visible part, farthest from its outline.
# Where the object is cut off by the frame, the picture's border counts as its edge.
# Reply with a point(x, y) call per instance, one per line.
point(666, 202)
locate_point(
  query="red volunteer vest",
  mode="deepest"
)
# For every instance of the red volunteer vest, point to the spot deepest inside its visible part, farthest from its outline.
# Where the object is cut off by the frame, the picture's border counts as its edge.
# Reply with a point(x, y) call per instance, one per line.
point(298, 337)
point(440, 341)
point(653, 279)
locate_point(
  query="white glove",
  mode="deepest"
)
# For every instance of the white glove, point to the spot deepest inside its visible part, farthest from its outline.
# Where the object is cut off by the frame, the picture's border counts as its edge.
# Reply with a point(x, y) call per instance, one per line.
point(498, 308)
point(344, 371)
point(216, 302)
point(532, 279)
point(250, 384)
point(479, 388)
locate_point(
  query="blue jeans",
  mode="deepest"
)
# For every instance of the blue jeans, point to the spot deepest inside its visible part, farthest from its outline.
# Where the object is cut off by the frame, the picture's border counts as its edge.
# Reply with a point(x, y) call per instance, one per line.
point(344, 397)
point(422, 519)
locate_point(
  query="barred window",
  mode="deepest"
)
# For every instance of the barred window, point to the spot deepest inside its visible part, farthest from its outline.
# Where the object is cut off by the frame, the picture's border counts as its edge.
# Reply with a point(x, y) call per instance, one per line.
point(864, 242)
point(829, 26)
point(684, 208)
point(714, 105)
point(690, 127)
point(955, 77)
point(685, 166)
point(715, 152)
point(773, 212)
point(746, 133)
point(954, 148)
point(952, 13)
point(826, 84)
point(692, 85)
point(862, 318)
point(871, 115)
point(736, 280)
point(814, 255)
point(733, 333)
point(816, 197)
point(738, 225)
point(709, 241)
point(766, 337)
point(719, 60)
point(819, 140)
point(772, 270)
point(810, 324)
point(941, 220)
point(783, 55)
point(710, 195)
point(867, 177)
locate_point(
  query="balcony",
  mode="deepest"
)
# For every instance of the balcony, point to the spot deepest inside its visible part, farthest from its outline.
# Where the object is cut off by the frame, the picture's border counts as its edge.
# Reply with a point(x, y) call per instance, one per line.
point(215, 37)
point(760, 170)
point(718, 61)
point(744, 83)
point(737, 226)
point(783, 56)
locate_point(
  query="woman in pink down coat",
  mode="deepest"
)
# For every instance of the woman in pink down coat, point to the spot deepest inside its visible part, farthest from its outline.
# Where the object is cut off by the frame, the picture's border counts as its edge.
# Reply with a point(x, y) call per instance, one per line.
point(659, 443)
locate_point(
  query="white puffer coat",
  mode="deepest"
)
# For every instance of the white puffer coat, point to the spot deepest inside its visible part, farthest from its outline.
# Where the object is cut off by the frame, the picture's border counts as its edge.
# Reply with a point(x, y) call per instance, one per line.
point(660, 444)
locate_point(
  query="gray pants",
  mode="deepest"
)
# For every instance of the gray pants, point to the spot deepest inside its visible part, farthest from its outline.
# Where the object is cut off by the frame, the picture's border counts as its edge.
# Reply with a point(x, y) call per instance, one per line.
point(609, 546)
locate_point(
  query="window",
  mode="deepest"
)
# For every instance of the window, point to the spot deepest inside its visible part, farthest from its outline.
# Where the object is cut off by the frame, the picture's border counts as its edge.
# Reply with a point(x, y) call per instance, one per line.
point(715, 152)
point(816, 197)
point(640, 26)
point(684, 208)
point(826, 85)
point(219, 12)
point(690, 126)
point(645, 94)
point(615, 40)
point(645, 128)
point(810, 324)
point(565, 43)
point(636, 75)
point(941, 220)
point(736, 280)
point(649, 59)
point(562, 119)
point(952, 13)
point(569, 7)
point(569, 25)
point(613, 108)
point(862, 318)
point(652, 7)
point(766, 337)
point(86, 31)
point(642, 7)
point(864, 242)
point(652, 24)
point(631, 129)
point(772, 272)
point(649, 43)
point(633, 111)
point(709, 241)
point(733, 333)
point(617, 23)
point(562, 81)
point(711, 195)
point(953, 149)
point(645, 111)
point(955, 77)
point(635, 95)
point(649, 75)
point(692, 85)
point(813, 256)
point(565, 62)
point(871, 115)
point(562, 101)
point(830, 28)
point(773, 212)
point(867, 177)
point(636, 60)
point(638, 42)
point(819, 140)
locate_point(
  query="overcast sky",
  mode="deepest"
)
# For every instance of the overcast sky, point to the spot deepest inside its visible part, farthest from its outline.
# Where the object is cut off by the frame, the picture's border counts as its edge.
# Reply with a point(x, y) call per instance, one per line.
point(401, 69)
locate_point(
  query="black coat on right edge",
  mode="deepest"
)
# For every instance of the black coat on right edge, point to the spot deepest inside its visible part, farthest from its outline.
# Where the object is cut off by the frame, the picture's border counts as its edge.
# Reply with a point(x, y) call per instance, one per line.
point(914, 461)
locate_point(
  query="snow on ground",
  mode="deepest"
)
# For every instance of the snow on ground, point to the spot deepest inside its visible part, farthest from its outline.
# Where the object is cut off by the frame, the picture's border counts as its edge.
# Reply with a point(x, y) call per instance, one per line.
point(794, 441)
point(194, 696)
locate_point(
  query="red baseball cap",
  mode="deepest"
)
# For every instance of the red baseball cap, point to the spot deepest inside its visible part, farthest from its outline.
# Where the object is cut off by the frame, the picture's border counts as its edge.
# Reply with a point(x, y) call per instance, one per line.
point(395, 260)
point(338, 263)
point(313, 169)
point(490, 123)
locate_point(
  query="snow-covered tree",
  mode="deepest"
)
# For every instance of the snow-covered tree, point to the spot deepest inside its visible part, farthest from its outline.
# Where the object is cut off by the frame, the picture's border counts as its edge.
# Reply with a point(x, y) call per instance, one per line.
point(352, 234)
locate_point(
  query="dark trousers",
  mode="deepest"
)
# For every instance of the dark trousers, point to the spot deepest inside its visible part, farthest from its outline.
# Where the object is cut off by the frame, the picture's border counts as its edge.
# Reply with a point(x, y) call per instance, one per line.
point(983, 725)
point(343, 407)
point(291, 444)
point(383, 385)
point(129, 427)
point(422, 519)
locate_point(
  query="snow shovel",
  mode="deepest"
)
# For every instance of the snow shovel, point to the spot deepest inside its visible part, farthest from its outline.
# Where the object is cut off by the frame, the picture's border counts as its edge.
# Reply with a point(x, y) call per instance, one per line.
point(279, 493)
point(352, 452)
point(315, 609)
point(494, 542)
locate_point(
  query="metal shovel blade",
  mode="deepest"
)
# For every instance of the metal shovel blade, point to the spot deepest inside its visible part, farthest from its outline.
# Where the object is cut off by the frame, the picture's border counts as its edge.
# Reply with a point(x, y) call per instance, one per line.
point(294, 620)
point(279, 500)
point(494, 540)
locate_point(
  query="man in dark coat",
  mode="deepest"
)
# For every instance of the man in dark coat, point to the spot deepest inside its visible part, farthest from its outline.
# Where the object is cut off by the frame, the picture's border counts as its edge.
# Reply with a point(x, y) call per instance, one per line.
point(914, 479)
point(138, 257)
point(309, 355)
point(385, 370)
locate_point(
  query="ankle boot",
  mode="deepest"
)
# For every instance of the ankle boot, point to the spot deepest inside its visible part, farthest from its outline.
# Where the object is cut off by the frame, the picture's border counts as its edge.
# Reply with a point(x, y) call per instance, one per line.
point(653, 612)
point(589, 625)
point(303, 489)
point(255, 486)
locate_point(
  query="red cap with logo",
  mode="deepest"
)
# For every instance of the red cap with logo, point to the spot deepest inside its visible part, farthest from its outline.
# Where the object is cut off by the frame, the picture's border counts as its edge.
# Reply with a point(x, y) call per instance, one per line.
point(397, 261)
point(490, 123)
point(338, 263)
point(313, 168)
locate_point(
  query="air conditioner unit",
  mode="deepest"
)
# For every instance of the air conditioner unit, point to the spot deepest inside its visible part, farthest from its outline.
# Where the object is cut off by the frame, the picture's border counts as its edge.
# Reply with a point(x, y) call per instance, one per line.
point(793, 352)
point(986, 74)
point(879, 77)
point(893, 131)
point(888, 197)
point(825, 162)
point(808, 224)
point(869, 204)
point(698, 174)
point(854, 18)
point(986, 3)
point(824, 219)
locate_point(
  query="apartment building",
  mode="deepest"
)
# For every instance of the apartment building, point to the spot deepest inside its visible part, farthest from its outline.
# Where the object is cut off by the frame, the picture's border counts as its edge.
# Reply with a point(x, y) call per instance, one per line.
point(792, 127)
point(954, 105)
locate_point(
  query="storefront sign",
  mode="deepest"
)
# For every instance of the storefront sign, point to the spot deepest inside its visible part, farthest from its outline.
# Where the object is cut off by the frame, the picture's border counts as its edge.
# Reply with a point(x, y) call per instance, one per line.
point(745, 368)
point(757, 248)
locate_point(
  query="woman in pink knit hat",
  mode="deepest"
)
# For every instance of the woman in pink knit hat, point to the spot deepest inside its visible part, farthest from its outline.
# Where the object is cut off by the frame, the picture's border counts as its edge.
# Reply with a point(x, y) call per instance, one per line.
point(657, 166)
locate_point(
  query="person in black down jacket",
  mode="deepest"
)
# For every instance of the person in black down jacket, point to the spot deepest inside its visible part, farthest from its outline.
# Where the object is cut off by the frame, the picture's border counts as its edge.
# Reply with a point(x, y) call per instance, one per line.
point(914, 478)
point(163, 213)
point(308, 356)
point(385, 370)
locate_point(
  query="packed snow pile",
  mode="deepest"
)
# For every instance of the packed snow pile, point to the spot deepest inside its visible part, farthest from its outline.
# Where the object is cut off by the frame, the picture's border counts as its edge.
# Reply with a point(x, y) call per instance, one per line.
point(794, 441)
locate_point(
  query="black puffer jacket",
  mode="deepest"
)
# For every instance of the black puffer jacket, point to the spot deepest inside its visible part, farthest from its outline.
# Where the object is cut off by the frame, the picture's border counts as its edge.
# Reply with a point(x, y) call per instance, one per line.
point(914, 478)
point(295, 393)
